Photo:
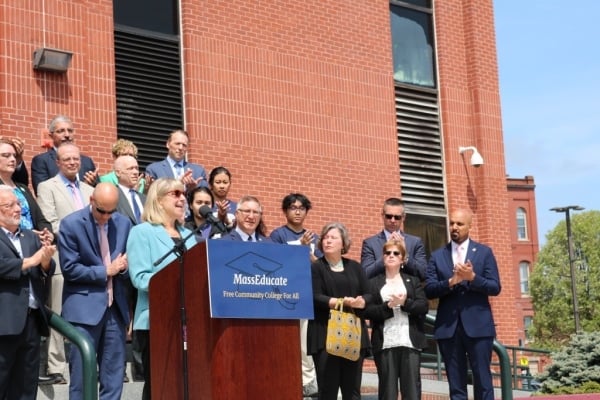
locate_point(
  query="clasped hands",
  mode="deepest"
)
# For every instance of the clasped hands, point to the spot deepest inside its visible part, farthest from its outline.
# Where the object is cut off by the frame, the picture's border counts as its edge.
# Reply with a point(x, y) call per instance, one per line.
point(118, 265)
point(462, 272)
point(396, 300)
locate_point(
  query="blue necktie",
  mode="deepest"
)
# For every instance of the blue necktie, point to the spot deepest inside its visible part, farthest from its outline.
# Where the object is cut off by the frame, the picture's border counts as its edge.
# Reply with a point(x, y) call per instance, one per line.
point(178, 170)
point(136, 208)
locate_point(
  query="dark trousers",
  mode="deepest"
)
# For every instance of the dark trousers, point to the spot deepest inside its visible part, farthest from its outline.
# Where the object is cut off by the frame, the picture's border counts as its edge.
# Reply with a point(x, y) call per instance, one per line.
point(455, 352)
point(398, 363)
point(335, 373)
point(19, 361)
point(143, 337)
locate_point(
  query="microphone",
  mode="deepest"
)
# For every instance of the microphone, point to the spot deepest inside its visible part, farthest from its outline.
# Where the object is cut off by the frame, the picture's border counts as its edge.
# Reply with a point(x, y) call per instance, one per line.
point(207, 213)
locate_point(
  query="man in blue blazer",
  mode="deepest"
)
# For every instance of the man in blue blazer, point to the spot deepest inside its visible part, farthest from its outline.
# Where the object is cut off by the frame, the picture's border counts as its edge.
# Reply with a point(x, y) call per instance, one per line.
point(43, 166)
point(175, 165)
point(25, 265)
point(463, 274)
point(371, 256)
point(249, 225)
point(92, 245)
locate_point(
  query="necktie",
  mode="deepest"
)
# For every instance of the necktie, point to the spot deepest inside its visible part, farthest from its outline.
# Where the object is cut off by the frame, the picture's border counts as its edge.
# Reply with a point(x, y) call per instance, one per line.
point(250, 239)
point(76, 196)
point(178, 170)
point(105, 252)
point(134, 204)
point(460, 254)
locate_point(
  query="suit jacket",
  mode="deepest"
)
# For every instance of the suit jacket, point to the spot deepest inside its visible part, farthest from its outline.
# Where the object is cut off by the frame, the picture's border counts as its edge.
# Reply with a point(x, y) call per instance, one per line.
point(467, 301)
point(84, 291)
point(39, 220)
point(371, 255)
point(124, 207)
point(14, 284)
point(146, 244)
point(56, 202)
point(162, 169)
point(416, 306)
point(43, 167)
point(234, 235)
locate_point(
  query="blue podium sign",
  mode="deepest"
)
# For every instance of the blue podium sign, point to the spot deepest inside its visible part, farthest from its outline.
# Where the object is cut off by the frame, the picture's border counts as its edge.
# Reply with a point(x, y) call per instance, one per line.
point(259, 280)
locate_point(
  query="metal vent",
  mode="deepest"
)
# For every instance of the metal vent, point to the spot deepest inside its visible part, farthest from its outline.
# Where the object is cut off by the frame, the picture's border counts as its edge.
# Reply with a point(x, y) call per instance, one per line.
point(148, 90)
point(419, 150)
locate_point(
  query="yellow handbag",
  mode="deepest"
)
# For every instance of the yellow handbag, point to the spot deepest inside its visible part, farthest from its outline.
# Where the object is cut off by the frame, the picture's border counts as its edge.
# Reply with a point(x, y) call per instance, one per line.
point(343, 333)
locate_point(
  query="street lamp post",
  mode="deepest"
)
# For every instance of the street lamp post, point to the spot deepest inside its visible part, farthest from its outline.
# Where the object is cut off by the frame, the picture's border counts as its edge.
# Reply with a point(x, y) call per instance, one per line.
point(567, 210)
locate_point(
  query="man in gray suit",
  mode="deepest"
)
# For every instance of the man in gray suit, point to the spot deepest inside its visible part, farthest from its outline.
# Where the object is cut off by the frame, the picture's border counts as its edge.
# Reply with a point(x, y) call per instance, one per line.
point(371, 255)
point(58, 197)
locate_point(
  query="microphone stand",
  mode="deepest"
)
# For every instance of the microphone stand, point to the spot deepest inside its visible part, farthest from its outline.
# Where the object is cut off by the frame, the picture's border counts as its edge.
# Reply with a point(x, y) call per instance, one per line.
point(179, 250)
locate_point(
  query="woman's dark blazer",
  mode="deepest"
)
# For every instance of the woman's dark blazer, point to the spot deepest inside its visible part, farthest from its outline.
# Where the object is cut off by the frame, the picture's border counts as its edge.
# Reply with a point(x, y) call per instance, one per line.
point(324, 288)
point(39, 221)
point(416, 306)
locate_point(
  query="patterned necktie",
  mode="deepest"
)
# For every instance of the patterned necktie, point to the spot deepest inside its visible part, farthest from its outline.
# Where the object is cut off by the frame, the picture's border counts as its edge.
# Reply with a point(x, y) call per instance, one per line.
point(76, 196)
point(134, 204)
point(178, 170)
point(105, 252)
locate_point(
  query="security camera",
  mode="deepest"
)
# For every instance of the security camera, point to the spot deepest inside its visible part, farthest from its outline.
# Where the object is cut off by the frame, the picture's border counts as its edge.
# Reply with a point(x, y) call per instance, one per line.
point(476, 159)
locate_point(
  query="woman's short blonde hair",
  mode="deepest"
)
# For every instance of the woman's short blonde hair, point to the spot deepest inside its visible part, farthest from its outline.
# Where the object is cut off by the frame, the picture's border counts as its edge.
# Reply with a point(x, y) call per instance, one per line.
point(346, 242)
point(118, 149)
point(153, 210)
point(390, 244)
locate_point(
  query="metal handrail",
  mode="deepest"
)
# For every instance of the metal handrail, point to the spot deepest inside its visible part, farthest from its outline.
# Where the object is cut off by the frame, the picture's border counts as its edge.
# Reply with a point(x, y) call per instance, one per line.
point(88, 354)
point(504, 362)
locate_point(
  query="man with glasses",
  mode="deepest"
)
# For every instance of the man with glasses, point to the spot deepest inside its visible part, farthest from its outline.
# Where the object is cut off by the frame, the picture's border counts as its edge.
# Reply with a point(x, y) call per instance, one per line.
point(91, 245)
point(58, 197)
point(295, 207)
point(249, 227)
point(393, 216)
point(44, 165)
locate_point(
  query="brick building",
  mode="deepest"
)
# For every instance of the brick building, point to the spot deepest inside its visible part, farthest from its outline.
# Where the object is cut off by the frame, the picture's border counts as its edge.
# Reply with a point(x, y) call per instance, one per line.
point(347, 102)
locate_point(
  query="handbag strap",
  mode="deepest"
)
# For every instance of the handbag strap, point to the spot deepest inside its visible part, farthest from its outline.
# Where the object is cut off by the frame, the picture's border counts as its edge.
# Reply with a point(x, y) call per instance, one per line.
point(339, 304)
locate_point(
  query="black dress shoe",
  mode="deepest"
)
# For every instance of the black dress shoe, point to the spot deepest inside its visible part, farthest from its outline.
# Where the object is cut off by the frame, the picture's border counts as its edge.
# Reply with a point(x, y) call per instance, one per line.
point(52, 379)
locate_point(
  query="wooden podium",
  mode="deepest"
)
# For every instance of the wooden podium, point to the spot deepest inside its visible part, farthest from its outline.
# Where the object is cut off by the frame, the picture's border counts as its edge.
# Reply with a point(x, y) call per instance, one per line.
point(227, 358)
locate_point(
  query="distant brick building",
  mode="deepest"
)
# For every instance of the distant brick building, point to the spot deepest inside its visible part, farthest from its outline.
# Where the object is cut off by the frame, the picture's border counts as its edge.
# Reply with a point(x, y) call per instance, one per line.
point(347, 102)
point(525, 245)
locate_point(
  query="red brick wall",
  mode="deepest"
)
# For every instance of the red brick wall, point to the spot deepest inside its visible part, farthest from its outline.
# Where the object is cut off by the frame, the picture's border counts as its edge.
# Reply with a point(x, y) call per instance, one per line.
point(470, 101)
point(291, 96)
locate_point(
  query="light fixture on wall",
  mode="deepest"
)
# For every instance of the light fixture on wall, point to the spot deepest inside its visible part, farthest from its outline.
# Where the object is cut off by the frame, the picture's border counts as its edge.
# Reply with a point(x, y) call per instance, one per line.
point(476, 159)
point(53, 60)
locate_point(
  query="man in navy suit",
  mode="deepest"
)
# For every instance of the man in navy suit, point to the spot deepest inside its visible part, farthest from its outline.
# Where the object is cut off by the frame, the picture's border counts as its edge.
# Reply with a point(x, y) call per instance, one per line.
point(25, 264)
point(463, 274)
point(43, 166)
point(249, 225)
point(371, 256)
point(175, 165)
point(92, 244)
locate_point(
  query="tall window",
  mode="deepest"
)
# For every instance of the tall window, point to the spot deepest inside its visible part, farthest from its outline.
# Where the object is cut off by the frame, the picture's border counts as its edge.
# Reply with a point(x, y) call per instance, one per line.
point(412, 42)
point(521, 224)
point(527, 322)
point(524, 276)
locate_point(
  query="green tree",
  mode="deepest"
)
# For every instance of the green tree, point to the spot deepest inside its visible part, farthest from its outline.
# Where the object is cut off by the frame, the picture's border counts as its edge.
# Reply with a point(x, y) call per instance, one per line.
point(550, 282)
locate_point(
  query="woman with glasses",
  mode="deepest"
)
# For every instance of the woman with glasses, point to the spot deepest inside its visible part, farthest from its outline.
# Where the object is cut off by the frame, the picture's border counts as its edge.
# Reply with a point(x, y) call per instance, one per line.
point(161, 229)
point(334, 278)
point(397, 313)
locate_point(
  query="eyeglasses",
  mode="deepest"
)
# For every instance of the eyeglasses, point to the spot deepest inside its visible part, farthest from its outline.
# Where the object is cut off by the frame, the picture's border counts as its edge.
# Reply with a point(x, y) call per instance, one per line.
point(392, 216)
point(63, 130)
point(176, 193)
point(390, 252)
point(104, 212)
point(294, 209)
point(8, 155)
point(249, 212)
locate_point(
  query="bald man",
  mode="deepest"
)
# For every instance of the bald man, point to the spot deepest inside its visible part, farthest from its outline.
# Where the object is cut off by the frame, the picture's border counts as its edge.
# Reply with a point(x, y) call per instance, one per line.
point(463, 274)
point(92, 243)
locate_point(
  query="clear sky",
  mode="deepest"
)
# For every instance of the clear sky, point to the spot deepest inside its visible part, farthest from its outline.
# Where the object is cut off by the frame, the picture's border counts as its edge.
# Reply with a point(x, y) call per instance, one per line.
point(549, 65)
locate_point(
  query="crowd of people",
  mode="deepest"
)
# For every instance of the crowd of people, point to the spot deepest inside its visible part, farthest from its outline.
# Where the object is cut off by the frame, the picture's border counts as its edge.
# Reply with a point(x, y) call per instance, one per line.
point(85, 245)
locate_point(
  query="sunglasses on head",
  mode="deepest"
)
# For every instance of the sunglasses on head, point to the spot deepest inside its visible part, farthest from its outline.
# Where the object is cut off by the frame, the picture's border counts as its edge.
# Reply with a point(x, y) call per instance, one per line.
point(390, 252)
point(396, 217)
